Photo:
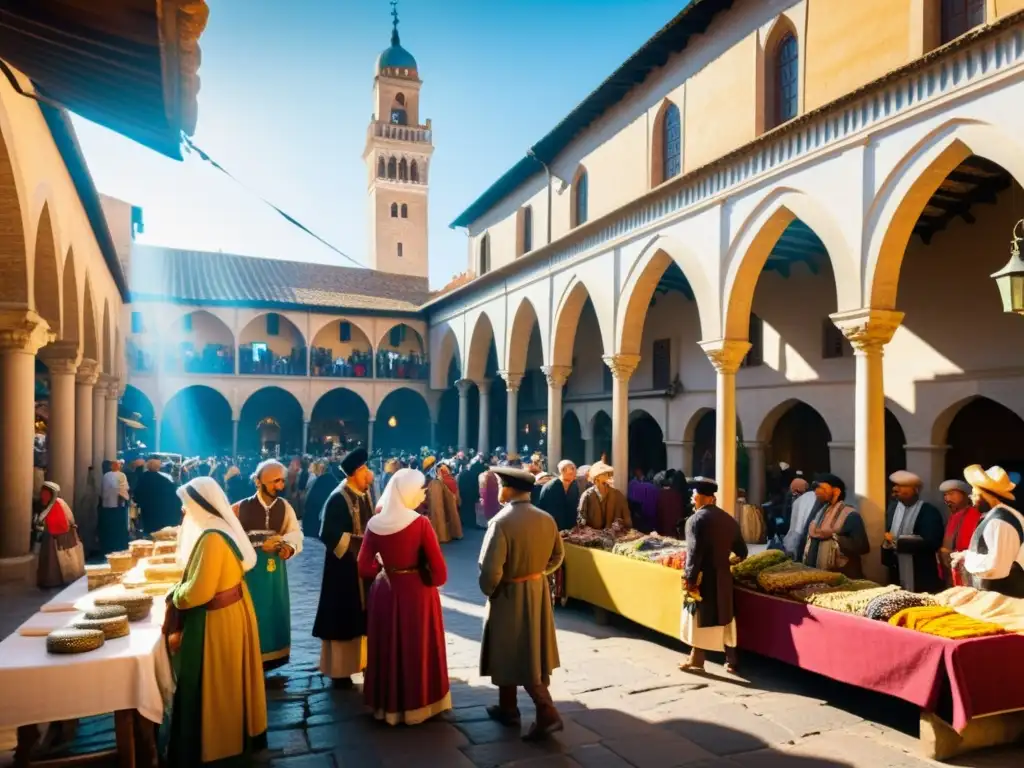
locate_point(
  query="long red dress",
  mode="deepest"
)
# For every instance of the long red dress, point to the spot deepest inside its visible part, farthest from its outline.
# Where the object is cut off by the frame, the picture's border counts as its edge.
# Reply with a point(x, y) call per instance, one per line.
point(406, 678)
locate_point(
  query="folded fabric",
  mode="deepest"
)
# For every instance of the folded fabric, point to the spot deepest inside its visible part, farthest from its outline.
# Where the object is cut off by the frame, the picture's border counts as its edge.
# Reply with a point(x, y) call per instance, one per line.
point(1007, 612)
point(884, 607)
point(753, 565)
point(789, 576)
point(942, 621)
point(853, 585)
point(849, 602)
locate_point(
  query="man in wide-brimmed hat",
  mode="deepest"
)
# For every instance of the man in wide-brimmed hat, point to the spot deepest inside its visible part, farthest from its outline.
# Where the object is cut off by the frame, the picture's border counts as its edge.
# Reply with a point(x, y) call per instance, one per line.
point(340, 622)
point(601, 504)
point(995, 559)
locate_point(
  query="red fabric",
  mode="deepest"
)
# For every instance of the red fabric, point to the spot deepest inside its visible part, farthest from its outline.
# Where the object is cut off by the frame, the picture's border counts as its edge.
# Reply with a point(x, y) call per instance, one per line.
point(449, 481)
point(970, 518)
point(407, 663)
point(57, 520)
point(984, 675)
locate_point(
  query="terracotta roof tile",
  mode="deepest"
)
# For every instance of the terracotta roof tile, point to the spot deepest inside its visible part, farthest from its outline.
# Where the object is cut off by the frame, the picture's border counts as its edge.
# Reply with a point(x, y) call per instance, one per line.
point(222, 278)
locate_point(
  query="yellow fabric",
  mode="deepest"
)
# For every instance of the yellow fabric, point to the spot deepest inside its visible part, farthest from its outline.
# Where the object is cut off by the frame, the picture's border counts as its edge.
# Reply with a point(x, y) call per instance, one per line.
point(649, 594)
point(1007, 612)
point(234, 698)
point(943, 621)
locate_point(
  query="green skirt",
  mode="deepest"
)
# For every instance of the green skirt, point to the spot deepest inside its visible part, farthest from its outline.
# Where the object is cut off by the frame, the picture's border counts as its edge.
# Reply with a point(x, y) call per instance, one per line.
point(268, 585)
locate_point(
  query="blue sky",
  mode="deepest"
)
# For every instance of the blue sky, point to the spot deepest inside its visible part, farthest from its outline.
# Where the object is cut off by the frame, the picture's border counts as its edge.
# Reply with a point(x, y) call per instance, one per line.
point(287, 94)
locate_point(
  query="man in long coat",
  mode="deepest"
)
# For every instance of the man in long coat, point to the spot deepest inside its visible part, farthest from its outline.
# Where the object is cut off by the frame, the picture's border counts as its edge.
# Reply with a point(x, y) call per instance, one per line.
point(560, 497)
point(914, 530)
point(340, 621)
point(521, 548)
point(712, 534)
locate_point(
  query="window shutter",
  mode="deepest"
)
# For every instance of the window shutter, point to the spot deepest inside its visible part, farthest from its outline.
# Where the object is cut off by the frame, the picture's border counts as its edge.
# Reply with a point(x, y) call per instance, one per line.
point(395, 336)
point(345, 331)
point(273, 324)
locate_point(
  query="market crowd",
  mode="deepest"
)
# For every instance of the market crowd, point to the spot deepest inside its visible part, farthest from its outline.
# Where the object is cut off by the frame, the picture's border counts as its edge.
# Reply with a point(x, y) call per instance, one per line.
point(383, 522)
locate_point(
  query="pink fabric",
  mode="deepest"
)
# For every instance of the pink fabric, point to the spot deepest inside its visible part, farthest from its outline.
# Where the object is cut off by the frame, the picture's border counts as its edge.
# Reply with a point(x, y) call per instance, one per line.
point(490, 496)
point(984, 675)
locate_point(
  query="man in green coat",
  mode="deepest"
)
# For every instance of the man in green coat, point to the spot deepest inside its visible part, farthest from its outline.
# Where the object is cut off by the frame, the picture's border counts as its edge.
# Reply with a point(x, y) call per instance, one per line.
point(521, 548)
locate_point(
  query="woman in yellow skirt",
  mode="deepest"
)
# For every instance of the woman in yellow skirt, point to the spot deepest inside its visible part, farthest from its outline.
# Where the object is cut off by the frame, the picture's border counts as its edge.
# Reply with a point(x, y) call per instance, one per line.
point(219, 714)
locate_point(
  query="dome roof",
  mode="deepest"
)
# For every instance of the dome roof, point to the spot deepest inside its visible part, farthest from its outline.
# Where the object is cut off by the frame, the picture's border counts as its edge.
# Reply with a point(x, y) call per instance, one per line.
point(397, 57)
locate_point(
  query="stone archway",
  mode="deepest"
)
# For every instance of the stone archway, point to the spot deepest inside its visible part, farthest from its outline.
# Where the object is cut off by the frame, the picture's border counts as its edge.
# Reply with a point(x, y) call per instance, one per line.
point(402, 423)
point(601, 431)
point(573, 446)
point(271, 421)
point(71, 324)
point(646, 444)
point(981, 431)
point(797, 434)
point(895, 444)
point(401, 354)
point(270, 344)
point(136, 408)
point(196, 421)
point(47, 282)
point(198, 342)
point(340, 417)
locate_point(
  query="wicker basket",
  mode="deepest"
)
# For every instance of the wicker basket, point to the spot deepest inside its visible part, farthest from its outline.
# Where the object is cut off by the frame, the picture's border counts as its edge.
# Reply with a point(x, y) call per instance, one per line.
point(138, 604)
point(107, 612)
point(120, 561)
point(112, 628)
point(74, 640)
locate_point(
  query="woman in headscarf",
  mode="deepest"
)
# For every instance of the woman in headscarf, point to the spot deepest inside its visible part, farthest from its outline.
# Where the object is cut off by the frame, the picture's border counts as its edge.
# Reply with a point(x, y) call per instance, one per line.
point(406, 678)
point(220, 707)
point(55, 529)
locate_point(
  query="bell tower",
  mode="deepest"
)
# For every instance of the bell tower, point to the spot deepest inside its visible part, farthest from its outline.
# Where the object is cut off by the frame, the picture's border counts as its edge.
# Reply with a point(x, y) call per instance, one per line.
point(397, 155)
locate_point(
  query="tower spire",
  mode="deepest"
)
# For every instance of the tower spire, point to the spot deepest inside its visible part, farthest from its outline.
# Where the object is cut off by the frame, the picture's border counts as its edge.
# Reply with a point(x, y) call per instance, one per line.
point(394, 23)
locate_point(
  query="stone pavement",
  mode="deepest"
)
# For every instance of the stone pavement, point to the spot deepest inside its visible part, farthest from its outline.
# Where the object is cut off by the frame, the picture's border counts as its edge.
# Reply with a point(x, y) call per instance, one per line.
point(623, 700)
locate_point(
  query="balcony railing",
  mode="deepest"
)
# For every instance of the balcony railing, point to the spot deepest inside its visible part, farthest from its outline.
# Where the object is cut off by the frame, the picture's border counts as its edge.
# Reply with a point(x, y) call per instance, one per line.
point(263, 362)
point(397, 132)
point(358, 365)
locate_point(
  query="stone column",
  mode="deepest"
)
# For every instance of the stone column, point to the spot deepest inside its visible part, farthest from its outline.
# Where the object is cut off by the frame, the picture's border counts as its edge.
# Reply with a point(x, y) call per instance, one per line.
point(305, 436)
point(756, 492)
point(926, 461)
point(99, 429)
point(556, 375)
point(512, 382)
point(62, 360)
point(110, 428)
point(88, 374)
point(234, 438)
point(22, 333)
point(463, 386)
point(483, 442)
point(840, 462)
point(158, 419)
point(869, 330)
point(369, 435)
point(622, 367)
point(726, 355)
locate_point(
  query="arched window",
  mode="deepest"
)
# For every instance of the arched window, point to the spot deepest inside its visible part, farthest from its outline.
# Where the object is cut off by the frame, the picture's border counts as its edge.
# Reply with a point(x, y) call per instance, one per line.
point(399, 250)
point(786, 70)
point(381, 168)
point(398, 116)
point(405, 211)
point(580, 199)
point(394, 210)
point(414, 171)
point(392, 168)
point(403, 170)
point(960, 16)
point(527, 229)
point(485, 255)
point(400, 98)
point(671, 143)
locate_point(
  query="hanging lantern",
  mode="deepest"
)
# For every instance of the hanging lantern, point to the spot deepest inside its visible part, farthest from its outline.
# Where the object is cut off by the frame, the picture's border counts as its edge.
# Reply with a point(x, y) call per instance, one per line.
point(1010, 279)
point(392, 422)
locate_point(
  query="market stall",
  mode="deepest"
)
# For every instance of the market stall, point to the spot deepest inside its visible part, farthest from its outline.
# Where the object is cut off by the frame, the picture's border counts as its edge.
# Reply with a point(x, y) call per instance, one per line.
point(969, 684)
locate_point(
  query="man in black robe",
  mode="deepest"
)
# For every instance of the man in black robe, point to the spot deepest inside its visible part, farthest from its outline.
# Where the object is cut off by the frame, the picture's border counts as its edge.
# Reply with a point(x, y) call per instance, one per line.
point(469, 490)
point(157, 498)
point(341, 613)
point(913, 536)
point(316, 499)
point(560, 497)
point(712, 534)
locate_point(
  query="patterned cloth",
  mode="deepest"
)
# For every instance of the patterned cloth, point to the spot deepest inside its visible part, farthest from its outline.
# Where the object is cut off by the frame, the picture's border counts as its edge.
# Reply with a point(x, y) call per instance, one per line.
point(944, 622)
point(884, 607)
point(854, 585)
point(849, 602)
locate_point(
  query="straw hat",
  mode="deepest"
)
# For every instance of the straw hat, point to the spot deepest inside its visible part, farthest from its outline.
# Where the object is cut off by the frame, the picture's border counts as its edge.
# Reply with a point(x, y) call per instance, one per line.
point(993, 480)
point(599, 468)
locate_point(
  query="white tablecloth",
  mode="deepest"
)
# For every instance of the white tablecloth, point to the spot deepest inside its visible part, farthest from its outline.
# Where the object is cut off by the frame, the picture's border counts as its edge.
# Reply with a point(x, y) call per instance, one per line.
point(130, 672)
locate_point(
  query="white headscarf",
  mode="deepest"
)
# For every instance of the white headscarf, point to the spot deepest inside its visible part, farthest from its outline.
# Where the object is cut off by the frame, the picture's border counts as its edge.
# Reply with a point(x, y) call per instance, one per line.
point(199, 518)
point(398, 504)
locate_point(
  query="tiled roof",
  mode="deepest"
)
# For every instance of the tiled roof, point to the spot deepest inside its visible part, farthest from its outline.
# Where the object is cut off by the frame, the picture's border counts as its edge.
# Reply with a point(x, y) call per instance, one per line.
point(220, 278)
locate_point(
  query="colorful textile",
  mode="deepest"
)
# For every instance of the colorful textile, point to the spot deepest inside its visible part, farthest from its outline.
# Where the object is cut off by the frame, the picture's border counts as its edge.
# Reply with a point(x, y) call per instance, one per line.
point(941, 621)
point(788, 576)
point(884, 607)
point(849, 602)
point(853, 585)
point(1007, 612)
point(268, 585)
point(753, 565)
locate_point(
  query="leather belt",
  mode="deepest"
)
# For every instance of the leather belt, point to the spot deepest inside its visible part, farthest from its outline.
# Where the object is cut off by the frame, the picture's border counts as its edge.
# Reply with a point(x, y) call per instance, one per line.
point(401, 571)
point(225, 598)
point(523, 579)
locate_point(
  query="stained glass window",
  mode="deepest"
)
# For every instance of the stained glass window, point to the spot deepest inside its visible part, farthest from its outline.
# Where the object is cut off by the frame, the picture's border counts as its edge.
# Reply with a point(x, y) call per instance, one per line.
point(671, 143)
point(581, 198)
point(787, 80)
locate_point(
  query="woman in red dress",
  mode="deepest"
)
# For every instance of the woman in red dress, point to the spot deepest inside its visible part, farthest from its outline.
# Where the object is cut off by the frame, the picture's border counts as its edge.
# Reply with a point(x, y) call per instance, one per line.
point(406, 678)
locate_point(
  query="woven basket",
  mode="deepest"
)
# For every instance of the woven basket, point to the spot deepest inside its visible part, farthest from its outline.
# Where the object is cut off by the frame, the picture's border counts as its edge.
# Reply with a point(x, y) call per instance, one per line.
point(107, 612)
point(138, 604)
point(74, 640)
point(112, 628)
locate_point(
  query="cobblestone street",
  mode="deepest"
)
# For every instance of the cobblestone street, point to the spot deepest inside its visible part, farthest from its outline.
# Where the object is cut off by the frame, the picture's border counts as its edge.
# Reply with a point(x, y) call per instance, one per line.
point(622, 697)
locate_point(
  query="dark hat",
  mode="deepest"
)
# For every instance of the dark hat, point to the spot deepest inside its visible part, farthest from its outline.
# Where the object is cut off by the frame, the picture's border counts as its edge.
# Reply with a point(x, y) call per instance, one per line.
point(705, 486)
point(353, 461)
point(834, 480)
point(519, 479)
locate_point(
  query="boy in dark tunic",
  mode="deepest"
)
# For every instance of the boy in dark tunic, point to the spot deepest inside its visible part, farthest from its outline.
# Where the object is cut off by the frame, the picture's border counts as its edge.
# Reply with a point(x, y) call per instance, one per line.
point(712, 534)
point(341, 613)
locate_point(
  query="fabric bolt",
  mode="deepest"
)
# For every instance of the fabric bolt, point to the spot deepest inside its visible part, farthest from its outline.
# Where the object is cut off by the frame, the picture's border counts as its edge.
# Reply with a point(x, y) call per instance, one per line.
point(849, 602)
point(942, 621)
point(853, 585)
point(1007, 612)
point(884, 607)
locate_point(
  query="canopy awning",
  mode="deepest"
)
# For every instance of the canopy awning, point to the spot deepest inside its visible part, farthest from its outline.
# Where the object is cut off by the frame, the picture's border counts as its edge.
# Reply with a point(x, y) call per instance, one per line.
point(130, 65)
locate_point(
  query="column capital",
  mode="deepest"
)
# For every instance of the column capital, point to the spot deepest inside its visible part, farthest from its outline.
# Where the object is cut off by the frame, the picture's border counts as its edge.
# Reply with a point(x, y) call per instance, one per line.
point(88, 372)
point(622, 365)
point(484, 385)
point(726, 354)
point(868, 330)
point(23, 330)
point(556, 375)
point(111, 384)
point(463, 386)
point(61, 357)
point(512, 380)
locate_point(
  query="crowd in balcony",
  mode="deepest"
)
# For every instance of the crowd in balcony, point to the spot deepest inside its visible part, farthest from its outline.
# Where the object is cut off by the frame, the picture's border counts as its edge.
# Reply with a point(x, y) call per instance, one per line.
point(258, 358)
point(213, 358)
point(357, 365)
point(396, 365)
